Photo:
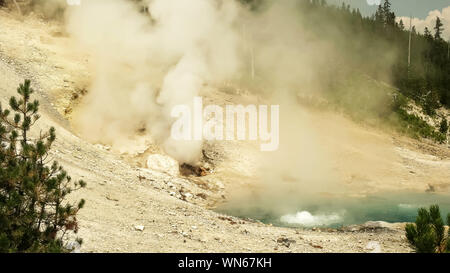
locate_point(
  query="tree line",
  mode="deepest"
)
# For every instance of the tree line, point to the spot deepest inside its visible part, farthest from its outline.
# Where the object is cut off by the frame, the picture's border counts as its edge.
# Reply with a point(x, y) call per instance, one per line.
point(379, 47)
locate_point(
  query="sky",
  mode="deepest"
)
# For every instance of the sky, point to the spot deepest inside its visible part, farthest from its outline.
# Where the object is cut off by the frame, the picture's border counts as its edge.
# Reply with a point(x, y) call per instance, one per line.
point(416, 8)
point(423, 12)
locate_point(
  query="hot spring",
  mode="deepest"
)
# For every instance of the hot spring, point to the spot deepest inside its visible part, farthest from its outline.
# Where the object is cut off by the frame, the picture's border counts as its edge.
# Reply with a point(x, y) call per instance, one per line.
point(335, 212)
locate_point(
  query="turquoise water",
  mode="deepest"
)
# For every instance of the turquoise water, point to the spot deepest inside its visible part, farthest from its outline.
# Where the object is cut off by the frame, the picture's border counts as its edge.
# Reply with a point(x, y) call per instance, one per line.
point(336, 212)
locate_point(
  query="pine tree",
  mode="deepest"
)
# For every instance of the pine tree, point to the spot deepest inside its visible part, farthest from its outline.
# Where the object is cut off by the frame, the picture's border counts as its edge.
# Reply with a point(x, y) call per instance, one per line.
point(448, 235)
point(379, 15)
point(389, 16)
point(401, 25)
point(438, 29)
point(427, 235)
point(386, 6)
point(427, 34)
point(34, 214)
point(358, 13)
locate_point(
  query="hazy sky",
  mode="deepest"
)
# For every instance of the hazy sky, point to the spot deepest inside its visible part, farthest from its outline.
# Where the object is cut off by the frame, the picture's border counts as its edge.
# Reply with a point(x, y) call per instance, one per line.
point(416, 8)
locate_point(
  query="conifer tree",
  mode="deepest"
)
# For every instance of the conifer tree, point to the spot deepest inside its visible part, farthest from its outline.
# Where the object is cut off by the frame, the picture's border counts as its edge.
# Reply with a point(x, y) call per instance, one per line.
point(401, 25)
point(427, 235)
point(438, 29)
point(389, 16)
point(379, 15)
point(34, 213)
point(427, 34)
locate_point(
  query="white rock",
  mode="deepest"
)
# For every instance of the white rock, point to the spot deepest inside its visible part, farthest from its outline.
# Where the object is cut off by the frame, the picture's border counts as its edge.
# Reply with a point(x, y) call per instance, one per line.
point(139, 228)
point(187, 195)
point(163, 164)
point(102, 147)
point(73, 247)
point(379, 225)
point(374, 247)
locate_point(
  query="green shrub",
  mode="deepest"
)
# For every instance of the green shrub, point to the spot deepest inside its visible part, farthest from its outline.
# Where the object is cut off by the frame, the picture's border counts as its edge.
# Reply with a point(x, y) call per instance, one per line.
point(427, 235)
point(34, 215)
point(415, 126)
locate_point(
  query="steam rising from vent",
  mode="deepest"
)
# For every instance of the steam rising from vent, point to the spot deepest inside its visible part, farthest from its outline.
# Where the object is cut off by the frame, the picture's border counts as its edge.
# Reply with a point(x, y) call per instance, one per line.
point(306, 219)
point(144, 66)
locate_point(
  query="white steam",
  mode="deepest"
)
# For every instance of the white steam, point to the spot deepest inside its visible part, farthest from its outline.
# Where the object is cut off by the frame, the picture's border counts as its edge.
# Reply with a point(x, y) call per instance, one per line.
point(306, 219)
point(144, 65)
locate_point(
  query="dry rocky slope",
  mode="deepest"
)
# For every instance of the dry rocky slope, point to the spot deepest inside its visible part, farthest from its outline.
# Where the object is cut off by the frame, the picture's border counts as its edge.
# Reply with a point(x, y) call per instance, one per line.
point(133, 209)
